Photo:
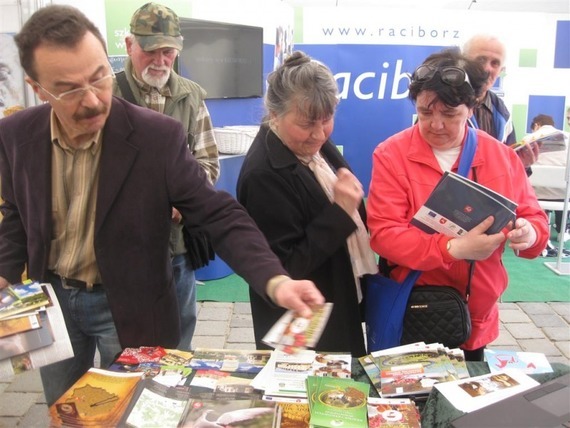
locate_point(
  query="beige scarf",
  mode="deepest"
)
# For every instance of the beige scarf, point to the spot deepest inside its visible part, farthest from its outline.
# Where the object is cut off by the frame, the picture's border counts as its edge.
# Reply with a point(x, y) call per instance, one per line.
point(361, 256)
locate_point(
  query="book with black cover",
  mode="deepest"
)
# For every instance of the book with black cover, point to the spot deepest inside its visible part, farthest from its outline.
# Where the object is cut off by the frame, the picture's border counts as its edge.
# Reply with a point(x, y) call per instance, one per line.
point(457, 204)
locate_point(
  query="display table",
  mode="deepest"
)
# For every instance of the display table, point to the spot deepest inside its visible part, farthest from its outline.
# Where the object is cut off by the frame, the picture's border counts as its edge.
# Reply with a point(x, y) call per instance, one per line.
point(436, 411)
point(230, 166)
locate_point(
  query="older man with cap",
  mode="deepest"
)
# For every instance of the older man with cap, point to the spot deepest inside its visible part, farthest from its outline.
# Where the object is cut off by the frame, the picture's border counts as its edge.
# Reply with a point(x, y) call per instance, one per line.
point(150, 81)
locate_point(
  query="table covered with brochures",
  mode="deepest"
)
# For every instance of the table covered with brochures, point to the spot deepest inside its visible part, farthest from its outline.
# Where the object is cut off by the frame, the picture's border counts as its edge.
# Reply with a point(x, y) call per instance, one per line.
point(209, 383)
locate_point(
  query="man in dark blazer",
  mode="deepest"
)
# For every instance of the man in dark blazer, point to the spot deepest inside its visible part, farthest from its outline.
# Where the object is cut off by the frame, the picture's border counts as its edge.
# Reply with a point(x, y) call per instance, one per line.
point(89, 182)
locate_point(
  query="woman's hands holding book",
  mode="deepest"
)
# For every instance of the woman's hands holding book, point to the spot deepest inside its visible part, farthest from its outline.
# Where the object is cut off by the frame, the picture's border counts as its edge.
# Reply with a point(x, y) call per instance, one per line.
point(476, 244)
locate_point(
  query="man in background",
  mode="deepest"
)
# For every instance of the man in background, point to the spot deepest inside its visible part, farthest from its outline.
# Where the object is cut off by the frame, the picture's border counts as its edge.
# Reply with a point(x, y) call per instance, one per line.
point(492, 115)
point(554, 158)
point(150, 81)
point(88, 182)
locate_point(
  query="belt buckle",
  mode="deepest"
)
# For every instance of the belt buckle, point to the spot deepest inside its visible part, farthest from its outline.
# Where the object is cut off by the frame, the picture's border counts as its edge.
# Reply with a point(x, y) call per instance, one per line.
point(63, 280)
point(88, 285)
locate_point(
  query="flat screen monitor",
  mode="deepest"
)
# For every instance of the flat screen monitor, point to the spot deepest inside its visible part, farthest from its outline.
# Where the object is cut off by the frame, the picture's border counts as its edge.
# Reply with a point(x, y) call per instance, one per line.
point(225, 59)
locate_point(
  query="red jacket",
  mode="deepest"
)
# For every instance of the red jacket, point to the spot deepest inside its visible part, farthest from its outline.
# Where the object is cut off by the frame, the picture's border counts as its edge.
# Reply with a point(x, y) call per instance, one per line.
point(404, 173)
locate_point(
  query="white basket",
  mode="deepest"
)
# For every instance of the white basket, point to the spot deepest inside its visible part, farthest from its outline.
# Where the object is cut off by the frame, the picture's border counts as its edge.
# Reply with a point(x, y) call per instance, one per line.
point(235, 140)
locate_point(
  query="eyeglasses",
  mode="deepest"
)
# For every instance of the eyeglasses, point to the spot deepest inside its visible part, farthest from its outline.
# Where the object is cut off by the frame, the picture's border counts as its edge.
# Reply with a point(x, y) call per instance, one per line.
point(74, 95)
point(452, 76)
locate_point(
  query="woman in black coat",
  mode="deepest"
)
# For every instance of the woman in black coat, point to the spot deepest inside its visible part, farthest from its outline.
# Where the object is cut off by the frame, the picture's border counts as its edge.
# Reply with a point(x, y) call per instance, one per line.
point(300, 192)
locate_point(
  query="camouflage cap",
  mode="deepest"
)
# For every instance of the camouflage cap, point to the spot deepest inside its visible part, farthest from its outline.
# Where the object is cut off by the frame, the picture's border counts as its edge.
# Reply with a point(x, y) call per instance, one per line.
point(156, 26)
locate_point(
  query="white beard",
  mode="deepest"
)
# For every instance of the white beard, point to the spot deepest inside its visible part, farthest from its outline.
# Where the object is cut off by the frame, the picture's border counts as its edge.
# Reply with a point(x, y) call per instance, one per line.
point(157, 82)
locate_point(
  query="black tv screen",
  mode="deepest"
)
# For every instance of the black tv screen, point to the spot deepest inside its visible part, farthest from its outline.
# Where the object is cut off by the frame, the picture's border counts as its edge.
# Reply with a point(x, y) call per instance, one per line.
point(225, 59)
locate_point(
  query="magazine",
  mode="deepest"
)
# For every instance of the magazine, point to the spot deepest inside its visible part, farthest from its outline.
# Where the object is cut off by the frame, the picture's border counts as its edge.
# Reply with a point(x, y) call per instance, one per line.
point(413, 371)
point(527, 362)
point(26, 341)
point(19, 324)
point(337, 402)
point(98, 398)
point(548, 139)
point(154, 404)
point(229, 360)
point(372, 371)
point(456, 205)
point(59, 350)
point(294, 414)
point(287, 373)
point(393, 412)
point(292, 333)
point(216, 384)
point(477, 392)
point(17, 298)
point(231, 413)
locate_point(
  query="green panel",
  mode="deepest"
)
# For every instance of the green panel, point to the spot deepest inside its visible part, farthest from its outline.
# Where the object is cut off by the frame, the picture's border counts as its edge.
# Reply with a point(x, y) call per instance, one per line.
point(298, 33)
point(527, 58)
point(520, 114)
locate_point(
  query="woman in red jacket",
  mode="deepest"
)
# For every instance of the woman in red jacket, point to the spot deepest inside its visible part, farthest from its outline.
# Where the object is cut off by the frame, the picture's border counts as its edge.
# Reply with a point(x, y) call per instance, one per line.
point(408, 165)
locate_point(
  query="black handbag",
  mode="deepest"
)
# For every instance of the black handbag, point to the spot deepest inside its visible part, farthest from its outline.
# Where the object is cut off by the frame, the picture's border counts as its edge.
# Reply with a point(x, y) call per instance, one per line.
point(438, 313)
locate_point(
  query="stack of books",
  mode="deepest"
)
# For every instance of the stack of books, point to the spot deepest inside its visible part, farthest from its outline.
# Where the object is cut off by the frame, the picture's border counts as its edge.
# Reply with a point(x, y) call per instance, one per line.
point(412, 370)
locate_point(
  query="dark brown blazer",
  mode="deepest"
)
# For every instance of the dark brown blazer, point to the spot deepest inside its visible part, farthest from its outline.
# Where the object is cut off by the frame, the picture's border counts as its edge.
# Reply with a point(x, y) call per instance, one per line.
point(146, 168)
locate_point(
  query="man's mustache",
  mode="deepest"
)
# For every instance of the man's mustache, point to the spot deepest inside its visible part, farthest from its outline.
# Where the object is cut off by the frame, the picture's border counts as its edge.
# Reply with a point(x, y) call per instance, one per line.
point(88, 113)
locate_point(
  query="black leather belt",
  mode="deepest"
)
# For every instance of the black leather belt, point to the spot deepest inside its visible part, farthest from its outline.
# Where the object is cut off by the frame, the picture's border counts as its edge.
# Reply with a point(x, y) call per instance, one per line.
point(74, 283)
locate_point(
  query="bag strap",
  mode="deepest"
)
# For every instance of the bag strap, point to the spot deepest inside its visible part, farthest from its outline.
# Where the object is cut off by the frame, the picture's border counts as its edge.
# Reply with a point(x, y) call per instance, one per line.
point(125, 88)
point(465, 161)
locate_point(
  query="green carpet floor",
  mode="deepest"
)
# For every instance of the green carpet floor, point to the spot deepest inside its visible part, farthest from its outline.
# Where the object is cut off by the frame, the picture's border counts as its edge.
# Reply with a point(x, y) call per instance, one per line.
point(529, 281)
point(232, 288)
point(532, 281)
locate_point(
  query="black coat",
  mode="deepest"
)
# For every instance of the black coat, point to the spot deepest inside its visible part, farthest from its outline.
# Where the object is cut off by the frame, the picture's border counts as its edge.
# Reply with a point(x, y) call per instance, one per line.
point(307, 232)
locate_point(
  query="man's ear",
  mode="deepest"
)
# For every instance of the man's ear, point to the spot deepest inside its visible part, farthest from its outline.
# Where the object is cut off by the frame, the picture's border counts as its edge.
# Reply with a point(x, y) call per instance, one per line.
point(37, 90)
point(128, 44)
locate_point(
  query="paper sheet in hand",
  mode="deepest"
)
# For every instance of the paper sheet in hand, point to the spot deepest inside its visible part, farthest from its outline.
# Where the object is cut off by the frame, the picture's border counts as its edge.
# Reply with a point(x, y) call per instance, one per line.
point(292, 332)
point(457, 204)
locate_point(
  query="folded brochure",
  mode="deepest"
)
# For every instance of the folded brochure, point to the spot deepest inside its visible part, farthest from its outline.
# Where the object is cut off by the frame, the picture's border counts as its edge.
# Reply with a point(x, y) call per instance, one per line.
point(457, 204)
point(292, 332)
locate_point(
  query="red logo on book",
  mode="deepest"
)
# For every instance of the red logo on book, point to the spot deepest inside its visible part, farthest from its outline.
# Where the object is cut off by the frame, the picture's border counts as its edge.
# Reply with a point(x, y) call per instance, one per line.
point(468, 209)
point(443, 220)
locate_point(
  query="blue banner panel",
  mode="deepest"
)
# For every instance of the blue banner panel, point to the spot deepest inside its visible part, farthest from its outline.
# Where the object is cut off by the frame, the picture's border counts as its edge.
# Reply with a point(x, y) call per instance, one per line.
point(373, 83)
point(546, 104)
point(562, 48)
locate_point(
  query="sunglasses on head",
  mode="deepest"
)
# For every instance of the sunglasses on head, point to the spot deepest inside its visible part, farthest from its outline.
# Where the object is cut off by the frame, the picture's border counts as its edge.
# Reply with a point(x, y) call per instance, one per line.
point(452, 76)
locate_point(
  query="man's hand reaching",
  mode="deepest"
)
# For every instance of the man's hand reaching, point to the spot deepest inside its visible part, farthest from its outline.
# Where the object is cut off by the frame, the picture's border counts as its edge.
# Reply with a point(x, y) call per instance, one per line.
point(298, 295)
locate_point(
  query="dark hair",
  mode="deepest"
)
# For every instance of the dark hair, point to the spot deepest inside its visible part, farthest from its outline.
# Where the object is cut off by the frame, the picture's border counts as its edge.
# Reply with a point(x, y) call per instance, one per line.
point(541, 120)
point(452, 96)
point(304, 83)
point(55, 25)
